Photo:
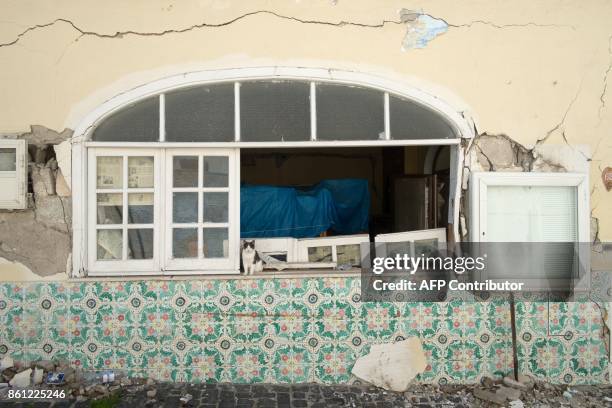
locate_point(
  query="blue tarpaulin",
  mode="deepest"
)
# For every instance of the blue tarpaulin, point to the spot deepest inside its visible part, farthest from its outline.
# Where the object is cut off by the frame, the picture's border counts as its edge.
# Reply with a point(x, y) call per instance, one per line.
point(271, 211)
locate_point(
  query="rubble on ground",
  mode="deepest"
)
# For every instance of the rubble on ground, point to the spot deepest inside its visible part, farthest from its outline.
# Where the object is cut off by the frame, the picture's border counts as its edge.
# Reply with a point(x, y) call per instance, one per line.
point(80, 385)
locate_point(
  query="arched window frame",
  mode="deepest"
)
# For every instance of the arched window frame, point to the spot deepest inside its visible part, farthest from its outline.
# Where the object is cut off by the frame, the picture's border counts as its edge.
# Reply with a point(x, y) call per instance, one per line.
point(455, 117)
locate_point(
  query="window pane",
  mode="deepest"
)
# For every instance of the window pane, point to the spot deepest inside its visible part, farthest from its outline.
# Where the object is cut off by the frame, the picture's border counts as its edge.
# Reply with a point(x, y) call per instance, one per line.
point(410, 120)
point(216, 243)
point(397, 248)
point(320, 254)
point(274, 111)
point(532, 214)
point(140, 208)
point(201, 114)
point(426, 247)
point(216, 170)
point(140, 243)
point(349, 113)
point(185, 243)
point(110, 208)
point(215, 207)
point(109, 172)
point(349, 254)
point(185, 207)
point(8, 159)
point(136, 123)
point(140, 172)
point(110, 244)
point(185, 171)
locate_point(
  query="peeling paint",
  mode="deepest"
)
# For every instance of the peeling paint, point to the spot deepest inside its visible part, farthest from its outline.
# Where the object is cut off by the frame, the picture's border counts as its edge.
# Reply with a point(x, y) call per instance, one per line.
point(422, 28)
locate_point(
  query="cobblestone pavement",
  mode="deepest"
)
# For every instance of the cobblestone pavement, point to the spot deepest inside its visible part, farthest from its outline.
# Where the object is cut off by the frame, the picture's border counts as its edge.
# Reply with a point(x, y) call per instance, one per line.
point(169, 395)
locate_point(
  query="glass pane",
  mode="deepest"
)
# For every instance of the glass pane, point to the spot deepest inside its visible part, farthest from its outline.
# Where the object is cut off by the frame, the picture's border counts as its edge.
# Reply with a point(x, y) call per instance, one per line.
point(216, 243)
point(109, 172)
point(185, 171)
point(140, 172)
point(274, 111)
point(185, 207)
point(397, 248)
point(349, 113)
point(201, 114)
point(140, 208)
point(349, 254)
point(410, 120)
point(136, 123)
point(320, 254)
point(140, 243)
point(215, 207)
point(216, 170)
point(532, 214)
point(110, 244)
point(185, 243)
point(426, 247)
point(8, 159)
point(110, 208)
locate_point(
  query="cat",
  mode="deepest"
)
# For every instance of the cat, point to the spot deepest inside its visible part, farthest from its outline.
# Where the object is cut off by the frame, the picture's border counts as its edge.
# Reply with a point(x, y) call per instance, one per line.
point(250, 259)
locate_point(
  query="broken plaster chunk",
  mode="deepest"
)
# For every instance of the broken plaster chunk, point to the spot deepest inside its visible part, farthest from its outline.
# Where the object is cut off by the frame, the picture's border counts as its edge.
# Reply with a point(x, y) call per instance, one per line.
point(497, 150)
point(392, 366)
point(22, 379)
point(43, 181)
point(61, 187)
point(38, 375)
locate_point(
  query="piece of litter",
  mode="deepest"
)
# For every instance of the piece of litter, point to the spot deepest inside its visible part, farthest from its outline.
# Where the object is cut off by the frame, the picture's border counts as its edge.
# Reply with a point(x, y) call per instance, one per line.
point(55, 378)
point(186, 398)
point(517, 404)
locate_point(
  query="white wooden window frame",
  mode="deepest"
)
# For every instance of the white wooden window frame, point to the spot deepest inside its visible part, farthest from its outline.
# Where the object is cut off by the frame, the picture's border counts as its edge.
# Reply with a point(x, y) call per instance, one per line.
point(17, 179)
point(456, 113)
point(287, 245)
point(480, 181)
point(227, 265)
point(333, 242)
point(123, 266)
point(408, 237)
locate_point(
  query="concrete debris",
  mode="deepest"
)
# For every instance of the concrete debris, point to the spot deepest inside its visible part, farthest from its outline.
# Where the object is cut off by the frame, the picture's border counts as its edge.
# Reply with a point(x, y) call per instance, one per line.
point(524, 382)
point(509, 394)
point(186, 398)
point(46, 365)
point(22, 379)
point(37, 378)
point(61, 186)
point(489, 396)
point(151, 393)
point(392, 366)
point(516, 404)
point(43, 180)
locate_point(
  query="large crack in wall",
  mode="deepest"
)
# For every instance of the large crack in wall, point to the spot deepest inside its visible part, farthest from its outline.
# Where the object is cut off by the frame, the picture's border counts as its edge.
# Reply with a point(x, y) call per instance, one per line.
point(39, 237)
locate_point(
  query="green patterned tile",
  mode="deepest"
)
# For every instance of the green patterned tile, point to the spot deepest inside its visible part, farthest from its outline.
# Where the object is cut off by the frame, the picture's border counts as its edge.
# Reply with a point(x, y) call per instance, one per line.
point(247, 365)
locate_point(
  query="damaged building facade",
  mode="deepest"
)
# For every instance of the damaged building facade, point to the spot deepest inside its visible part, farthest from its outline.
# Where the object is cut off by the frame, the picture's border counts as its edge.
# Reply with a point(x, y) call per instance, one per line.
point(129, 148)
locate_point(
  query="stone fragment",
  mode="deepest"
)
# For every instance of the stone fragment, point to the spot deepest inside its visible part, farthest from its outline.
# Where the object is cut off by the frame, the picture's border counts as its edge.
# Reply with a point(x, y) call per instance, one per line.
point(186, 398)
point(3, 385)
point(524, 382)
point(489, 396)
point(61, 187)
point(37, 378)
point(516, 404)
point(498, 150)
point(151, 393)
point(392, 366)
point(508, 393)
point(22, 379)
point(46, 365)
point(7, 362)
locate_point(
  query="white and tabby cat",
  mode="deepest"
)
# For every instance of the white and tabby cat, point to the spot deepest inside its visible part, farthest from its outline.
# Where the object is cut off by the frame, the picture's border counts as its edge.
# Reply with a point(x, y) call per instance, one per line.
point(250, 260)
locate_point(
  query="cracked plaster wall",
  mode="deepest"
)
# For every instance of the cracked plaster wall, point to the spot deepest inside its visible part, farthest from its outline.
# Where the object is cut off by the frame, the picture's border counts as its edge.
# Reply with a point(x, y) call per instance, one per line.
point(534, 71)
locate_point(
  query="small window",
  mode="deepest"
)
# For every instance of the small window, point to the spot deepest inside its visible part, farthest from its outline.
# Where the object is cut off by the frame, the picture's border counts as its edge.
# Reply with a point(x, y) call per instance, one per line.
point(274, 111)
point(343, 250)
point(349, 113)
point(200, 114)
point(13, 174)
point(136, 123)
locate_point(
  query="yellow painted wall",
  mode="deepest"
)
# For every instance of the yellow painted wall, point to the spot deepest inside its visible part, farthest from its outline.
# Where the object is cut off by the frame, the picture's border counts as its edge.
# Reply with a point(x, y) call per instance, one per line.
point(532, 70)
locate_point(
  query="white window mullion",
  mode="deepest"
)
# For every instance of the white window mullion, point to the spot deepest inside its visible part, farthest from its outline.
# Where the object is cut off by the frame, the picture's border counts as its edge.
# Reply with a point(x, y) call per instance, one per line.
point(237, 111)
point(313, 111)
point(387, 118)
point(162, 117)
point(125, 207)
